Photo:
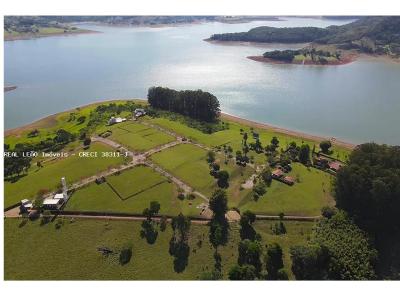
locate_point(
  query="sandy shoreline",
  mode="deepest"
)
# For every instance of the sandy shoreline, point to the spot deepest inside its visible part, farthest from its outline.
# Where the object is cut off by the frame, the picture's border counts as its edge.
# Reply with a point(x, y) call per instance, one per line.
point(289, 132)
point(51, 118)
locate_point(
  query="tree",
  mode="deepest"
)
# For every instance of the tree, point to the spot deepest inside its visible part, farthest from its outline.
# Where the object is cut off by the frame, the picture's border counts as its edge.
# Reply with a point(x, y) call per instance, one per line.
point(250, 253)
point(178, 245)
point(149, 230)
point(63, 137)
point(266, 176)
point(210, 157)
point(125, 255)
point(246, 225)
point(223, 177)
point(245, 136)
point(325, 145)
point(328, 212)
point(304, 155)
point(274, 261)
point(81, 120)
point(87, 141)
point(218, 225)
point(196, 104)
point(351, 256)
point(242, 272)
point(219, 203)
point(275, 141)
point(309, 262)
point(368, 188)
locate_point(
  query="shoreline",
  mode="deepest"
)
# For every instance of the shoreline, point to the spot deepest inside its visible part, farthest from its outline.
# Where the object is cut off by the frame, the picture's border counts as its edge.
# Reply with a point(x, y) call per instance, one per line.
point(224, 115)
point(9, 88)
point(346, 60)
point(36, 123)
point(294, 133)
point(31, 36)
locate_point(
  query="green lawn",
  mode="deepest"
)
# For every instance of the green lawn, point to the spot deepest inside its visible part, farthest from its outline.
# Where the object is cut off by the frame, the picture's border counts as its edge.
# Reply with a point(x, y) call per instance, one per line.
point(189, 163)
point(73, 168)
point(135, 180)
point(149, 184)
point(304, 198)
point(48, 126)
point(138, 137)
point(70, 253)
point(233, 137)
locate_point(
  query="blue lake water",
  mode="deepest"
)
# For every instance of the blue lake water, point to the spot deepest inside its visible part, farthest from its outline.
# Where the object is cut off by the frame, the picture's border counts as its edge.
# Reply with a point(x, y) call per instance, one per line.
point(357, 102)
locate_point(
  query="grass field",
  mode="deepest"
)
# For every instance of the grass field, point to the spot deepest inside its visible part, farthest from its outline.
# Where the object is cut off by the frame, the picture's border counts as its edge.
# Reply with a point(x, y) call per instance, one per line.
point(49, 125)
point(190, 165)
point(148, 186)
point(138, 137)
point(233, 137)
point(70, 253)
point(73, 168)
point(304, 198)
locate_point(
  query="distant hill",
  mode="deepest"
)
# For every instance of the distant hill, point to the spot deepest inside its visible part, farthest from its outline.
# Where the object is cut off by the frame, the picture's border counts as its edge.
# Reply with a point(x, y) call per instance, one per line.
point(368, 34)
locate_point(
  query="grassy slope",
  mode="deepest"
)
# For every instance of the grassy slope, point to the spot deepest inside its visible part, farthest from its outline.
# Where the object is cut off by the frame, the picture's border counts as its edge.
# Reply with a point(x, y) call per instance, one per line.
point(304, 198)
point(70, 253)
point(190, 165)
point(102, 198)
point(233, 138)
point(49, 125)
point(138, 137)
point(73, 168)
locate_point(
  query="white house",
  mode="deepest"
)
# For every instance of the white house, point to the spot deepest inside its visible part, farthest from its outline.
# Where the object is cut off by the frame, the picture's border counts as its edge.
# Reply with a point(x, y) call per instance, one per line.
point(116, 120)
point(52, 204)
point(139, 112)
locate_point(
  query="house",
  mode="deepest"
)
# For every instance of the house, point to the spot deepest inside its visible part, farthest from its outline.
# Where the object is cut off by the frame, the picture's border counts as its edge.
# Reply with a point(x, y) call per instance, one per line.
point(139, 112)
point(26, 205)
point(289, 180)
point(59, 196)
point(335, 165)
point(116, 120)
point(278, 173)
point(52, 203)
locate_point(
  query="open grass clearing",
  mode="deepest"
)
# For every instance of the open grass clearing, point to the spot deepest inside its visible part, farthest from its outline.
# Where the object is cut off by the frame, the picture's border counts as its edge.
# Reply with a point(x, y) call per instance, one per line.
point(139, 186)
point(138, 137)
point(304, 198)
point(73, 168)
point(74, 255)
point(233, 137)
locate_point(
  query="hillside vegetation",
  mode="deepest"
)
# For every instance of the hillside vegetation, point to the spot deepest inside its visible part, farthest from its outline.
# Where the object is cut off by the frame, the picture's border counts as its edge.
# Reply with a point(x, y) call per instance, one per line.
point(370, 34)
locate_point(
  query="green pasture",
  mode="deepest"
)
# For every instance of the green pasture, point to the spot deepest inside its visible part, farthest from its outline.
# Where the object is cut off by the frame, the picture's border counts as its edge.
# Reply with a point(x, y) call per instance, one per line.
point(73, 168)
point(74, 254)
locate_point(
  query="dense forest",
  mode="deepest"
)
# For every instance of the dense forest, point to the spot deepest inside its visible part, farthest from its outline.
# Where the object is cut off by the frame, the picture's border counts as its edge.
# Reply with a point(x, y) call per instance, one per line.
point(196, 104)
point(368, 189)
point(368, 34)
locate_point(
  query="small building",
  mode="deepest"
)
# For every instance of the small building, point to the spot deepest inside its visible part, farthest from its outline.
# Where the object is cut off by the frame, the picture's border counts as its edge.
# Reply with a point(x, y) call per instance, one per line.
point(335, 165)
point(59, 196)
point(139, 112)
point(289, 180)
point(278, 173)
point(115, 120)
point(52, 204)
point(26, 204)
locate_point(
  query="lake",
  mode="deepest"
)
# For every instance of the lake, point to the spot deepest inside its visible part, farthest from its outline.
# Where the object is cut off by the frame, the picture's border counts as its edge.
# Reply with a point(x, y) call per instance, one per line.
point(357, 102)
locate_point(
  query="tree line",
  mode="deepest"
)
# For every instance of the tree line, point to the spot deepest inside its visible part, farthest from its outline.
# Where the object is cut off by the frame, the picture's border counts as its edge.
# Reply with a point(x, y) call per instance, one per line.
point(196, 104)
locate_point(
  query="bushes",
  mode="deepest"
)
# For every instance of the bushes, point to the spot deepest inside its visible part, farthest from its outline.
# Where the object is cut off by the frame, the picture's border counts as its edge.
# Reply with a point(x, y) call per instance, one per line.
point(125, 255)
